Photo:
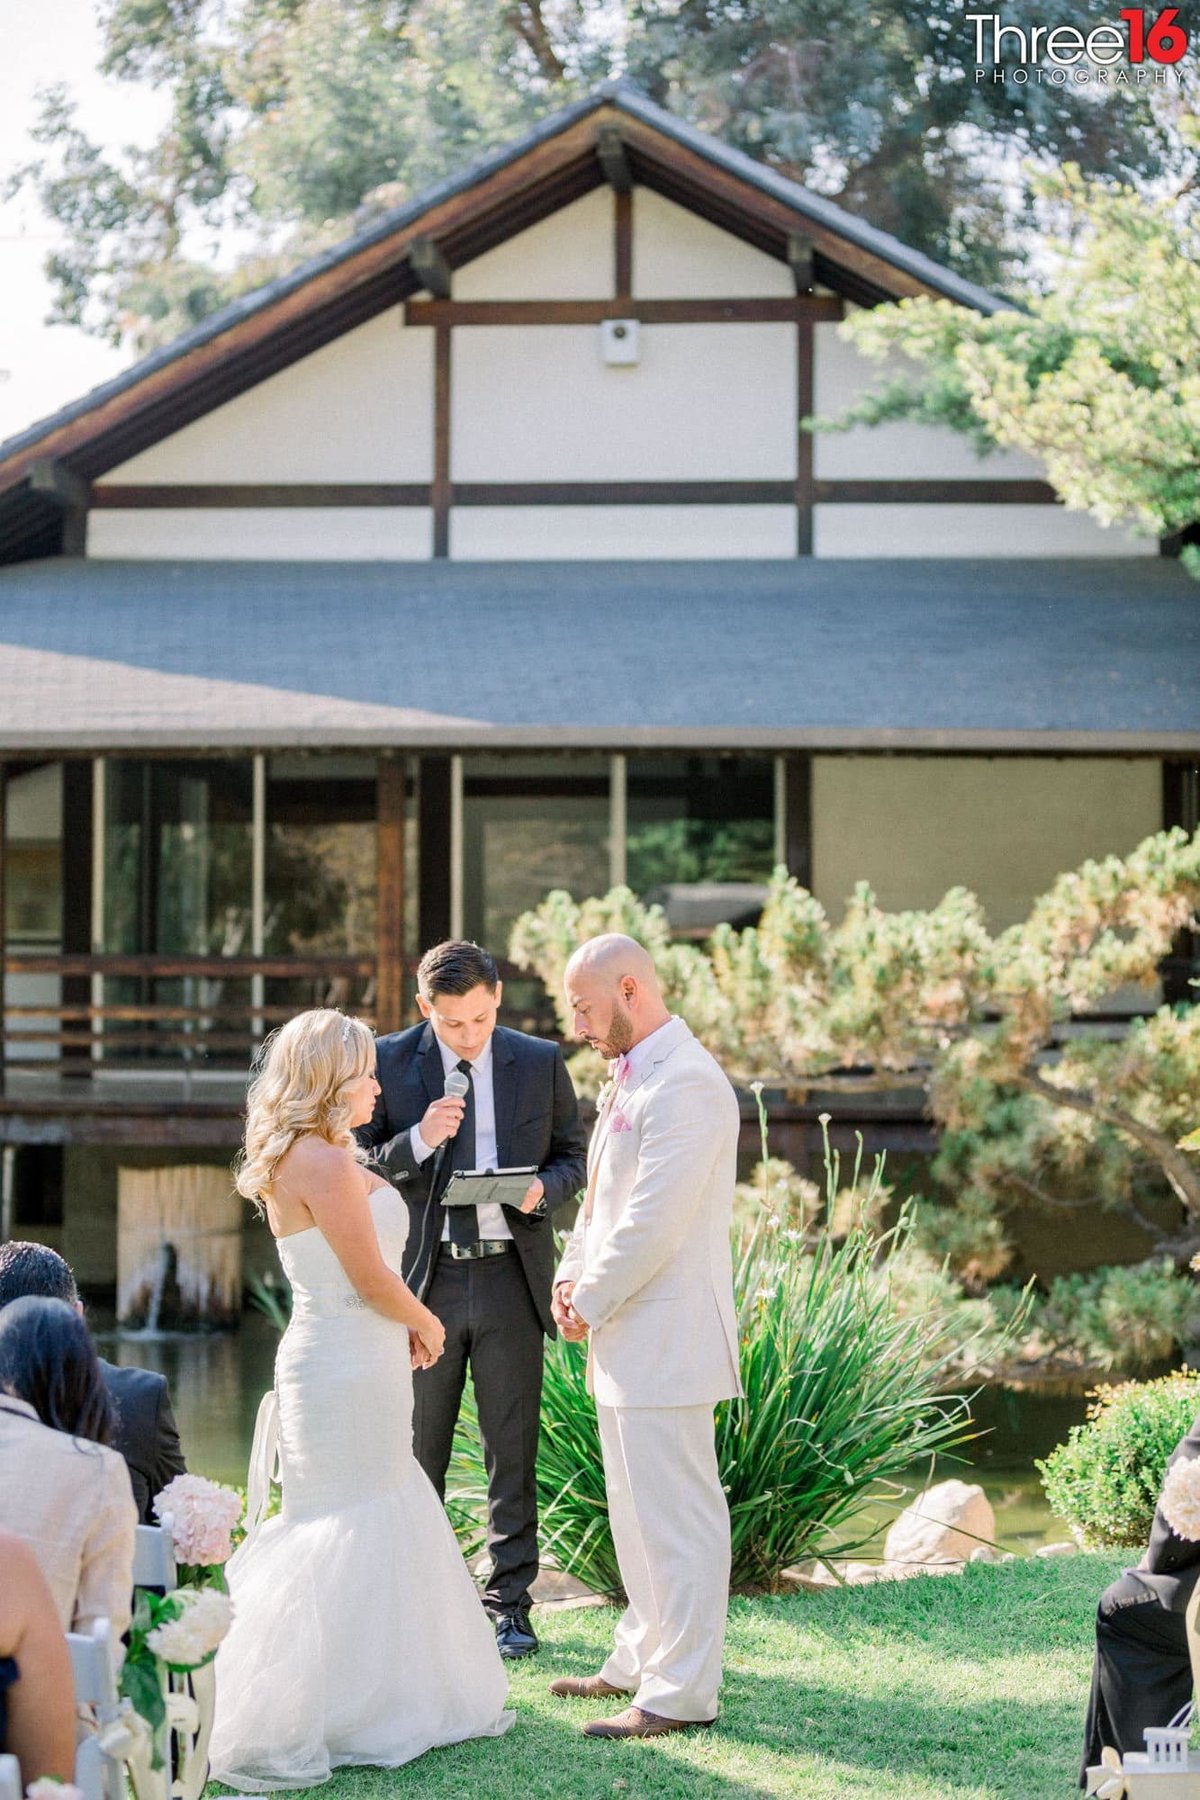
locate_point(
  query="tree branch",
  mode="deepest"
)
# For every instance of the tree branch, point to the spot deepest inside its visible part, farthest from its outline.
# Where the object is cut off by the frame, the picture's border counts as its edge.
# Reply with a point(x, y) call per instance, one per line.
point(1182, 1175)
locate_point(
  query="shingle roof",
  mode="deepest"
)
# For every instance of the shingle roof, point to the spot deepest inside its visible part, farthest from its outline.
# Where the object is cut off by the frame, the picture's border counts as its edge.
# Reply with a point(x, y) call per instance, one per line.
point(912, 654)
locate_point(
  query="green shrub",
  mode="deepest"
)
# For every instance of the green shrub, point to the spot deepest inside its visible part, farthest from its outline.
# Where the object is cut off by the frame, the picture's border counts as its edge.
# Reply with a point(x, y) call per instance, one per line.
point(1105, 1480)
point(842, 1395)
point(1121, 1317)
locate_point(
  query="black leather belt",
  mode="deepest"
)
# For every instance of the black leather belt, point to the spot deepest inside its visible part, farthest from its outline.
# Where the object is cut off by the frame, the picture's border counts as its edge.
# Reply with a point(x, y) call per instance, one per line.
point(473, 1252)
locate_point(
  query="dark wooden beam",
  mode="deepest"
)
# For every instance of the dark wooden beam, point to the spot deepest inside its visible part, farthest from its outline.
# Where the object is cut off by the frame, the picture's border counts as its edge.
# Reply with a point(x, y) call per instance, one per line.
point(1181, 807)
point(54, 481)
point(935, 493)
point(623, 244)
point(743, 310)
point(390, 884)
point(805, 486)
point(622, 493)
point(156, 496)
point(430, 267)
point(441, 498)
point(78, 825)
point(800, 260)
point(610, 153)
point(3, 913)
point(433, 849)
point(797, 815)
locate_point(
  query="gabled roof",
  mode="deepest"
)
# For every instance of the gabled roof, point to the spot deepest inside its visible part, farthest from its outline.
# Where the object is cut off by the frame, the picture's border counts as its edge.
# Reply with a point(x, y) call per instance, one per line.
point(913, 655)
point(555, 163)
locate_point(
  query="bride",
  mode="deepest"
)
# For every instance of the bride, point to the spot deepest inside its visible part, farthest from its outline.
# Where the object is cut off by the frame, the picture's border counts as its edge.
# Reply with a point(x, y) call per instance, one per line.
point(357, 1635)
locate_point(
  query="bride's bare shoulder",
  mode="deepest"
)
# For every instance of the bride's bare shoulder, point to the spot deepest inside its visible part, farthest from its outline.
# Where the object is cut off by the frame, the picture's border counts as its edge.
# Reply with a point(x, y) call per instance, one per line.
point(314, 1159)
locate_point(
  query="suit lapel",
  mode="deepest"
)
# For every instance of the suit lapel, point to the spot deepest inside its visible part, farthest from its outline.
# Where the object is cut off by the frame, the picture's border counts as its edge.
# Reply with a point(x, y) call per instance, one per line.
point(504, 1092)
point(673, 1034)
point(429, 1057)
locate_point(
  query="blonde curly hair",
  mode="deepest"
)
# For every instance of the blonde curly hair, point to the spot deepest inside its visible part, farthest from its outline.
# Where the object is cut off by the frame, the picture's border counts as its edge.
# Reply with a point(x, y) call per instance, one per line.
point(298, 1090)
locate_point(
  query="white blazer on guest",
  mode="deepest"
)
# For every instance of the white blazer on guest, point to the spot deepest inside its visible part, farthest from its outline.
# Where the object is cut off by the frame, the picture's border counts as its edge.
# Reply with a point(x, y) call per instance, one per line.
point(73, 1504)
point(652, 1266)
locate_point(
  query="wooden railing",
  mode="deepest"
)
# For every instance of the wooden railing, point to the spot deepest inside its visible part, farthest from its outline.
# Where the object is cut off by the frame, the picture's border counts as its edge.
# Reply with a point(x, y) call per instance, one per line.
point(96, 1021)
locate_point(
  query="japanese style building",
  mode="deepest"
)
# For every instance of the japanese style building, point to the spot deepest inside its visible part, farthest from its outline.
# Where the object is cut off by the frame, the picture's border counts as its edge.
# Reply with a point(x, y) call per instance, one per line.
point(485, 555)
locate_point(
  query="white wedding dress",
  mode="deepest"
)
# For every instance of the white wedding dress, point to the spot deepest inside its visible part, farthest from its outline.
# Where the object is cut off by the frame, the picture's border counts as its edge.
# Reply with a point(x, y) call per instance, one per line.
point(358, 1636)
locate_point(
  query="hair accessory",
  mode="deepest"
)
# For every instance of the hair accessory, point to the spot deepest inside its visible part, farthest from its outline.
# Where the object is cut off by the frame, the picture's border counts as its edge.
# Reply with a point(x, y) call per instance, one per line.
point(346, 1024)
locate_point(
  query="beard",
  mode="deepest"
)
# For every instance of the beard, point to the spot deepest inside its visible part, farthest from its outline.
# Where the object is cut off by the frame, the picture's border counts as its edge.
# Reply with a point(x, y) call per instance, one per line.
point(619, 1037)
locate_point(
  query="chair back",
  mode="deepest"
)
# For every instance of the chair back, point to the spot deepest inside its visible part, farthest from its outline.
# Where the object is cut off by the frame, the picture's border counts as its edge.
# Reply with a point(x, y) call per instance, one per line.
point(94, 1668)
point(154, 1557)
point(10, 1778)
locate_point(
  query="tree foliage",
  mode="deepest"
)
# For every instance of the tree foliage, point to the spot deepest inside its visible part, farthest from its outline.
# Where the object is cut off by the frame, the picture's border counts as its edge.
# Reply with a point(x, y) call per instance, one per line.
point(290, 120)
point(1098, 379)
point(932, 1000)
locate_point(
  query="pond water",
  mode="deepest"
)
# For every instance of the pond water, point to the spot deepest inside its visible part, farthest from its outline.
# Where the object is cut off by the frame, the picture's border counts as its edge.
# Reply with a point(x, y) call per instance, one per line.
point(217, 1380)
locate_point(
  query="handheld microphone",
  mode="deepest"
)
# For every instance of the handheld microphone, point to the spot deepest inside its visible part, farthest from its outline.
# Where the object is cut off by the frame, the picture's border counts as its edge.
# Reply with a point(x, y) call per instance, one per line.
point(457, 1085)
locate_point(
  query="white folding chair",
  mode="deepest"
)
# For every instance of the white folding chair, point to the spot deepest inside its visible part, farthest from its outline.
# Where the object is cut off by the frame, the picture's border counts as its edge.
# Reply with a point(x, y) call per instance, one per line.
point(10, 1778)
point(154, 1557)
point(94, 1668)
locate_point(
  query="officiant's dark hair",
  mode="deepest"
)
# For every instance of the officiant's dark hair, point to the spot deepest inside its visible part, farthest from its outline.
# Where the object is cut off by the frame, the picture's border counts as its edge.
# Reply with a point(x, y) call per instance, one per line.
point(456, 967)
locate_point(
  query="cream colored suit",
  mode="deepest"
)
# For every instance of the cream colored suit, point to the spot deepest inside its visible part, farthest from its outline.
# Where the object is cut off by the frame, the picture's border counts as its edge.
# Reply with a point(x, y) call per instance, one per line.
point(650, 1259)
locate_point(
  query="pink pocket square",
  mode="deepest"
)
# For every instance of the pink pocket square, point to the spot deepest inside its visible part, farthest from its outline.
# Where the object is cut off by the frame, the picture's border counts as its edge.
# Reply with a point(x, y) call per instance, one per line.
point(617, 1121)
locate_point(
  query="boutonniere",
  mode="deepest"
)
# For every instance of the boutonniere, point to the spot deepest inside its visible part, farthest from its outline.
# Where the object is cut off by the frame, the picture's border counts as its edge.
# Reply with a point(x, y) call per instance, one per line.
point(617, 1120)
point(605, 1094)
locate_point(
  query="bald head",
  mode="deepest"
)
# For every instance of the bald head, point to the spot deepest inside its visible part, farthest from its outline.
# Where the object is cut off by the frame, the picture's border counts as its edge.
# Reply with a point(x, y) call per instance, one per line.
point(612, 988)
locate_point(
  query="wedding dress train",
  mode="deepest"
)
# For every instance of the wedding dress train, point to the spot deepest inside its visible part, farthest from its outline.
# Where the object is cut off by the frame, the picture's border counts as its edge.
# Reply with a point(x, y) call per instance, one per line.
point(358, 1636)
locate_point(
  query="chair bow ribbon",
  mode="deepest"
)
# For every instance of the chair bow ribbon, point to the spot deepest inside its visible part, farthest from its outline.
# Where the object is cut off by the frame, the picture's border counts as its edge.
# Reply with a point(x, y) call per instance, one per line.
point(127, 1737)
point(1111, 1785)
point(183, 1714)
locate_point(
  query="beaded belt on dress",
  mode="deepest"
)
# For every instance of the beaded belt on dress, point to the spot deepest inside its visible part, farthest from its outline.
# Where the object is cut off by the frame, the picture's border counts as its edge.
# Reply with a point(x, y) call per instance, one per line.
point(485, 1247)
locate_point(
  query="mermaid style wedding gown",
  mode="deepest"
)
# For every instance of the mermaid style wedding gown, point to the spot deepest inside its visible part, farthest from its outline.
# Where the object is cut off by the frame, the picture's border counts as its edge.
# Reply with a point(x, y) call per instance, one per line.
point(357, 1636)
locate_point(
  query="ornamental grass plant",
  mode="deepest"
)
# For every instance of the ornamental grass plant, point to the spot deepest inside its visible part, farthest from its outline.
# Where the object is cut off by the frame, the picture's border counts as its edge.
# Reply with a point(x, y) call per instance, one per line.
point(842, 1397)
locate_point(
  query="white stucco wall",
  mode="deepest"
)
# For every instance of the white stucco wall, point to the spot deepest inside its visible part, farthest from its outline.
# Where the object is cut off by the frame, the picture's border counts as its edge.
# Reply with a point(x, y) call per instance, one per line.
point(568, 256)
point(679, 256)
point(570, 533)
point(361, 409)
point(276, 534)
point(916, 826)
point(705, 402)
point(956, 530)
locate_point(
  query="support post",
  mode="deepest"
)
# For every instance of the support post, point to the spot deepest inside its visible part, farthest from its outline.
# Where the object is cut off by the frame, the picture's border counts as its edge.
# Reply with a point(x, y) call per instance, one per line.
point(441, 441)
point(389, 923)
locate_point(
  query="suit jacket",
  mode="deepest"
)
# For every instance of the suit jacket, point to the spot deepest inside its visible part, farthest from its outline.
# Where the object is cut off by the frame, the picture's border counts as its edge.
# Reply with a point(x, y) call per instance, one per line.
point(145, 1434)
point(537, 1124)
point(71, 1502)
point(652, 1268)
point(1171, 1565)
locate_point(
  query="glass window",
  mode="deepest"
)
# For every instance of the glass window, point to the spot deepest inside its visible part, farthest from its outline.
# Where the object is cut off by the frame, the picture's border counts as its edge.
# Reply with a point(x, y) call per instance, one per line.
point(701, 836)
point(530, 824)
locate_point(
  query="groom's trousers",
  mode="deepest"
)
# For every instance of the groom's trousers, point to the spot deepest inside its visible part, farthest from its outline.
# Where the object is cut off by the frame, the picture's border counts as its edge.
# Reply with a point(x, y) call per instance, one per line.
point(492, 1327)
point(670, 1526)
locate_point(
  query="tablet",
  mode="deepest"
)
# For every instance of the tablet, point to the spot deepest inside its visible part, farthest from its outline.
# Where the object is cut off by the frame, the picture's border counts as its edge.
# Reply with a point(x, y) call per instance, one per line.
point(488, 1187)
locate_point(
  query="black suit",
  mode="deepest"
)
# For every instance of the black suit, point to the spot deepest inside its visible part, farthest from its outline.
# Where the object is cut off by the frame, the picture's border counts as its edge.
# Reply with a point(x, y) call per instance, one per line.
point(1142, 1674)
point(146, 1434)
point(495, 1310)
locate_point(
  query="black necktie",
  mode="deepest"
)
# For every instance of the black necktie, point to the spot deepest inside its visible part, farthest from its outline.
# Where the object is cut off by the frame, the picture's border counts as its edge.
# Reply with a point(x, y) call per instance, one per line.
point(464, 1220)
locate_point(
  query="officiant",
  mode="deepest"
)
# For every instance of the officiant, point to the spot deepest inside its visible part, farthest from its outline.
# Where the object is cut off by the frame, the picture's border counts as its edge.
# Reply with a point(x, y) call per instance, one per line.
point(485, 1272)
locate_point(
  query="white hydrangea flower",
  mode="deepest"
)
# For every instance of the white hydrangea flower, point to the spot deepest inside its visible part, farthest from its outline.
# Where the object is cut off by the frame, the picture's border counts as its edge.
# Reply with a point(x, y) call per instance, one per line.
point(47, 1788)
point(191, 1639)
point(1181, 1498)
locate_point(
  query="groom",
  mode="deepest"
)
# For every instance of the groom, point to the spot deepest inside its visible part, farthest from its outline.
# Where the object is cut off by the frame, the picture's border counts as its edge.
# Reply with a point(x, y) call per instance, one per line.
point(648, 1275)
point(486, 1275)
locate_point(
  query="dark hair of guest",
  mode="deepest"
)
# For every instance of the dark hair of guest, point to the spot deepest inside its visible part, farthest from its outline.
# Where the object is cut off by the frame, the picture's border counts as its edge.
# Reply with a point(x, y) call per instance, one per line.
point(35, 1269)
point(47, 1359)
point(455, 968)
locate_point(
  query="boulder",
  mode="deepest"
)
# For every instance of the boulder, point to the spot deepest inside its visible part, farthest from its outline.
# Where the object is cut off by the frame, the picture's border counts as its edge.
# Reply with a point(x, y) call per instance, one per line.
point(941, 1529)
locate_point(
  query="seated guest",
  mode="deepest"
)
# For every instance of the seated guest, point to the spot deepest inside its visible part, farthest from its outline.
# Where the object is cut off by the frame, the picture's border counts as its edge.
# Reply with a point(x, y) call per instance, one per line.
point(1142, 1674)
point(61, 1488)
point(144, 1430)
point(37, 1713)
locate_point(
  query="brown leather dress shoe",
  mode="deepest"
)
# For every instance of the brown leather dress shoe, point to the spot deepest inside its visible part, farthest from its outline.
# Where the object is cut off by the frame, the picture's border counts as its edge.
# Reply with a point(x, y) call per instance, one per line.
point(586, 1687)
point(634, 1722)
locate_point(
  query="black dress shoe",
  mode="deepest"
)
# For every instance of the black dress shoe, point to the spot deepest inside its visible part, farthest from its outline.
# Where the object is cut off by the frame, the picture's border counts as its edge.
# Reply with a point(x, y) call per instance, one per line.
point(515, 1636)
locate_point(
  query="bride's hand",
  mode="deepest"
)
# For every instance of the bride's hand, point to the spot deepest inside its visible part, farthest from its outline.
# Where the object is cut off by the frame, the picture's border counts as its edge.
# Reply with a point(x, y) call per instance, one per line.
point(428, 1340)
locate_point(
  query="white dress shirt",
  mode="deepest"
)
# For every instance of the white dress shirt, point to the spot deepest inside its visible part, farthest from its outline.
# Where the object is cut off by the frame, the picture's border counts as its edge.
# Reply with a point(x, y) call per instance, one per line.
point(492, 1223)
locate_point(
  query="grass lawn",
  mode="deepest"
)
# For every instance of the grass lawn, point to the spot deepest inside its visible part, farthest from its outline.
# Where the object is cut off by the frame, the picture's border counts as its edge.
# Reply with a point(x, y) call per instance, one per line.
point(951, 1688)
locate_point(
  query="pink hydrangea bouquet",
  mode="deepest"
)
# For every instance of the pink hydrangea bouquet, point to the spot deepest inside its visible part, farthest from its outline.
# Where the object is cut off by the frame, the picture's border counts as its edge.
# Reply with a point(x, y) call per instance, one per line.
point(202, 1515)
point(1181, 1498)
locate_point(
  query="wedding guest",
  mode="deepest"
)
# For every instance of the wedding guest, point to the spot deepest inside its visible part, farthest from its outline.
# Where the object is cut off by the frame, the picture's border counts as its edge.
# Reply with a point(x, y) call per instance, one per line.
point(1142, 1673)
point(61, 1488)
point(144, 1429)
point(37, 1714)
point(487, 1275)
